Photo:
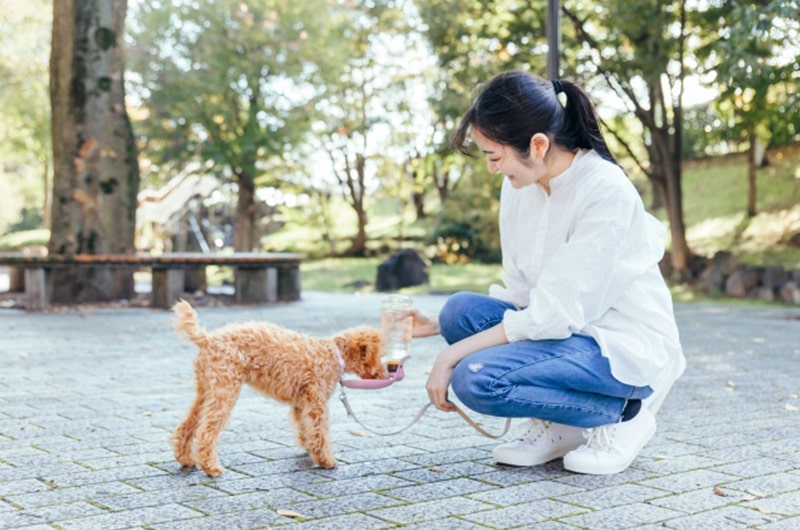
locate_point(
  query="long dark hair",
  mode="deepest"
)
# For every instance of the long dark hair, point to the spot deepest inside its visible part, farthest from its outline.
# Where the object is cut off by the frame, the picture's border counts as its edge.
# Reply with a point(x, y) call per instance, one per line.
point(513, 106)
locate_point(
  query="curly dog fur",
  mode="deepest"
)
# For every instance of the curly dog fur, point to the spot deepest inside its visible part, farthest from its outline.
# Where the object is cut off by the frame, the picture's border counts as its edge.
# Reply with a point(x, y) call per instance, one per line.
point(288, 366)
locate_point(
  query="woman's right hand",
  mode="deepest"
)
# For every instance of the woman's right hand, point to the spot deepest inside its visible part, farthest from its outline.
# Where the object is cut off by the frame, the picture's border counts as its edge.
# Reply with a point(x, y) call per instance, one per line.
point(424, 324)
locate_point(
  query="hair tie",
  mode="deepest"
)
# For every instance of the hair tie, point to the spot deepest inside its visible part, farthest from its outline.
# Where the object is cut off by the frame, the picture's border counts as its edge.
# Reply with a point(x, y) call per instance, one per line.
point(557, 86)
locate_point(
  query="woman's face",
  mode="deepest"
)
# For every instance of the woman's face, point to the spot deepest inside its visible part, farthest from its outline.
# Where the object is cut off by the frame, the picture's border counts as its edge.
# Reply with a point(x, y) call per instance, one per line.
point(506, 160)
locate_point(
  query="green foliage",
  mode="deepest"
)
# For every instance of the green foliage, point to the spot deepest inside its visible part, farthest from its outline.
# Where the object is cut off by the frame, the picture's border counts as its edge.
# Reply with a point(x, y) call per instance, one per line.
point(467, 225)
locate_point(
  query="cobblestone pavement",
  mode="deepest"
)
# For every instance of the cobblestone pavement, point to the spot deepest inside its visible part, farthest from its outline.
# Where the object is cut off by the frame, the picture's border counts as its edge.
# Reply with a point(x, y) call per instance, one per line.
point(89, 396)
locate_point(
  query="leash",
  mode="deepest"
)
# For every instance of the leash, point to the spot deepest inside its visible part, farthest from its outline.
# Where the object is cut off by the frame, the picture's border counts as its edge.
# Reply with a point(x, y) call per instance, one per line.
point(395, 369)
point(417, 417)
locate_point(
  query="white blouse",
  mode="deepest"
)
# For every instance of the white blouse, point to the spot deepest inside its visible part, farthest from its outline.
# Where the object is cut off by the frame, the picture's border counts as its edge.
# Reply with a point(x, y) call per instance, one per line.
point(584, 260)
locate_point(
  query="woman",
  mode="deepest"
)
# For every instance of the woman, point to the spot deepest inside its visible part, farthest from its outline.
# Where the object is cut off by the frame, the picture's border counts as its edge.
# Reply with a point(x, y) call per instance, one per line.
point(581, 339)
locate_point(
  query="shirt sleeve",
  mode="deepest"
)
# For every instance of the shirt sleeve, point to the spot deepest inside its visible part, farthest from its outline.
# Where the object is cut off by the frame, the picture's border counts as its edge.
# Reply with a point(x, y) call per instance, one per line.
point(612, 242)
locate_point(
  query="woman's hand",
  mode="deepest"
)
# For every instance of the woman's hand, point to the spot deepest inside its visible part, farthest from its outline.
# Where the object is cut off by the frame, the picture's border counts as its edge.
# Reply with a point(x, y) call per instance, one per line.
point(424, 324)
point(439, 381)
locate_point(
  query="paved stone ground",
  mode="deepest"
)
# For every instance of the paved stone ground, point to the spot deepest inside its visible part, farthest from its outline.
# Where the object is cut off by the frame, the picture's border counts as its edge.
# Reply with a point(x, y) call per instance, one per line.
point(89, 396)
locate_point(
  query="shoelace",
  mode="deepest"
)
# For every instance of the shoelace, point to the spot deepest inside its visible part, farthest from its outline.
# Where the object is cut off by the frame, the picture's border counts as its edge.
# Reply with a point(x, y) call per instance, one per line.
point(537, 429)
point(600, 438)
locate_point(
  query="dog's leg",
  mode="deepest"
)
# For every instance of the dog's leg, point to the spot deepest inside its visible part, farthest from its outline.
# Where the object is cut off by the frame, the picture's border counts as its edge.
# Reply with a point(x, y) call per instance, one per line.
point(183, 436)
point(217, 407)
point(297, 422)
point(315, 429)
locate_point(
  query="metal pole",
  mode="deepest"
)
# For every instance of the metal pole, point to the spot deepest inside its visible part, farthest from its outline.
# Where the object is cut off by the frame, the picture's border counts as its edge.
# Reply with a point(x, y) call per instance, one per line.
point(553, 38)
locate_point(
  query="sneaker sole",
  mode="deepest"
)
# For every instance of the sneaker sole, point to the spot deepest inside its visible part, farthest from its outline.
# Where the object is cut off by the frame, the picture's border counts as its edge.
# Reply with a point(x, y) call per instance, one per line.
point(577, 467)
point(509, 457)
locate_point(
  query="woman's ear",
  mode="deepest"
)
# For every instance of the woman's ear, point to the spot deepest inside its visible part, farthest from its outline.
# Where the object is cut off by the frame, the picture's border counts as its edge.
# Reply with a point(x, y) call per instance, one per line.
point(540, 144)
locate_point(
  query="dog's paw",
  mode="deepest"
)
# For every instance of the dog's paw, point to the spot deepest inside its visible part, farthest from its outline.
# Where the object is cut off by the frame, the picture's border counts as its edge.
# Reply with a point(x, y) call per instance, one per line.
point(325, 462)
point(213, 471)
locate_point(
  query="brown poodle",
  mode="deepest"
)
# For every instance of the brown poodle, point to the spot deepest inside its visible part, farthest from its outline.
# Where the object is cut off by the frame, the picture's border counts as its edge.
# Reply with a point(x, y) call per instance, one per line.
point(296, 369)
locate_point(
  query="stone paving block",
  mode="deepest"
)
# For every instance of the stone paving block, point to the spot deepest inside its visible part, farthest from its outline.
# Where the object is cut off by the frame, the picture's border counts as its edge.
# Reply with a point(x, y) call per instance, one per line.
point(531, 492)
point(787, 504)
point(276, 498)
point(129, 518)
point(93, 493)
point(524, 515)
point(55, 513)
point(688, 480)
point(771, 484)
point(262, 519)
point(431, 511)
point(609, 497)
point(451, 523)
point(792, 523)
point(334, 488)
point(696, 501)
point(437, 472)
point(726, 518)
point(755, 467)
point(330, 506)
point(621, 517)
point(354, 520)
point(437, 490)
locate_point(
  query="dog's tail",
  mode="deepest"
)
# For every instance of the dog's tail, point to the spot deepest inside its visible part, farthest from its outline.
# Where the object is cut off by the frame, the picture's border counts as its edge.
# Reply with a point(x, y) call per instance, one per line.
point(186, 320)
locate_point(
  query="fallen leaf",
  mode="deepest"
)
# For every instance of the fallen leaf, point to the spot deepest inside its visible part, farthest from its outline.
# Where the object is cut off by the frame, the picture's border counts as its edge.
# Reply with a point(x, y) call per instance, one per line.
point(661, 457)
point(763, 510)
point(730, 384)
point(357, 433)
point(147, 413)
point(288, 513)
point(436, 469)
point(756, 493)
point(790, 407)
point(719, 492)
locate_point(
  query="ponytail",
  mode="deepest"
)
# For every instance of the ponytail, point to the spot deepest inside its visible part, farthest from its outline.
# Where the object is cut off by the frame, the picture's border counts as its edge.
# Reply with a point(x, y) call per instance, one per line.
point(581, 128)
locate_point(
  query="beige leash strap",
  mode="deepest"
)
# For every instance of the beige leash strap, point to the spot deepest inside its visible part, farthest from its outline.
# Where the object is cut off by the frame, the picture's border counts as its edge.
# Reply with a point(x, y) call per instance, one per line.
point(417, 417)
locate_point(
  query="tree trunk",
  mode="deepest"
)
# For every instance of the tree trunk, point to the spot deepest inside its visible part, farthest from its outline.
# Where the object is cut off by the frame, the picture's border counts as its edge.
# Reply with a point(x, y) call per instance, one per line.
point(96, 174)
point(752, 154)
point(244, 235)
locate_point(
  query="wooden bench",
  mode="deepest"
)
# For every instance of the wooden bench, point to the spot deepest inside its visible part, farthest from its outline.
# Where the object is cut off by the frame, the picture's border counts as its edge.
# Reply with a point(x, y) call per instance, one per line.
point(258, 277)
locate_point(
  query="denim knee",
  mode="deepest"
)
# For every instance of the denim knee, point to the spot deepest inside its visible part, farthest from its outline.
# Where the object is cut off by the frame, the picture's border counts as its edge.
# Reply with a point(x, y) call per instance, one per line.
point(470, 388)
point(451, 316)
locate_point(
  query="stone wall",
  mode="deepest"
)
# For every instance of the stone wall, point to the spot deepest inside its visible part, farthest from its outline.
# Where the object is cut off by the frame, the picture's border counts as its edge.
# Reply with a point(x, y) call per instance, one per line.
point(721, 274)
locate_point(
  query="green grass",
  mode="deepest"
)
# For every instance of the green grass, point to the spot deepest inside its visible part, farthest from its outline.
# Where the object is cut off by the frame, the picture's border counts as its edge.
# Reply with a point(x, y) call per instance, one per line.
point(715, 203)
point(26, 238)
point(358, 275)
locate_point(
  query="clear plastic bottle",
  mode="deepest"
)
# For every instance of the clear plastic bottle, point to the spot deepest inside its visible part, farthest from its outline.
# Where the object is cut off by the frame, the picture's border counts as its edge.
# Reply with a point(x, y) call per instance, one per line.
point(396, 332)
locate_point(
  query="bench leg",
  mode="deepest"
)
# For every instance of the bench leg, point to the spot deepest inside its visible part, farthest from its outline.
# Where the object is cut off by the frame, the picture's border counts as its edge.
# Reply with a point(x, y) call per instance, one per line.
point(256, 286)
point(16, 280)
point(167, 287)
point(36, 289)
point(289, 283)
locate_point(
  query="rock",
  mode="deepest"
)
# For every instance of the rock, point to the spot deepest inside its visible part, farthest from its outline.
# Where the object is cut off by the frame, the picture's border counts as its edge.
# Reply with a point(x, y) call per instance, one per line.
point(789, 292)
point(741, 281)
point(404, 268)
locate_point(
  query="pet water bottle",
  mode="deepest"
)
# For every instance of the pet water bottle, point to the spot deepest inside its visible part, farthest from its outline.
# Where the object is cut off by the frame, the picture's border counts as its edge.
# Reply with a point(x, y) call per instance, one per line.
point(396, 332)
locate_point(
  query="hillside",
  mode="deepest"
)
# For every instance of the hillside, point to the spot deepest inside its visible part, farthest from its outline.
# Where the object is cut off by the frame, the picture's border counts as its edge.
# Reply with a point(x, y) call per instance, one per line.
point(715, 202)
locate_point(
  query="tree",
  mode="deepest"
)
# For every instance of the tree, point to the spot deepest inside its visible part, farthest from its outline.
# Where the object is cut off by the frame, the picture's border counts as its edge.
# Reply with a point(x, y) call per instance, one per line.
point(232, 84)
point(752, 52)
point(366, 103)
point(96, 174)
point(638, 50)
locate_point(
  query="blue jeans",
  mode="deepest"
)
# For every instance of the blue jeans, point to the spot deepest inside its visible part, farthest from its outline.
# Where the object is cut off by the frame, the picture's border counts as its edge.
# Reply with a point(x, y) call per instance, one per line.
point(566, 381)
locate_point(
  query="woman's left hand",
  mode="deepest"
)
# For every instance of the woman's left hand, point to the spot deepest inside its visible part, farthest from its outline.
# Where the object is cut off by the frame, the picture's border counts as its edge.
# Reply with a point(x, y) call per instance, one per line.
point(439, 381)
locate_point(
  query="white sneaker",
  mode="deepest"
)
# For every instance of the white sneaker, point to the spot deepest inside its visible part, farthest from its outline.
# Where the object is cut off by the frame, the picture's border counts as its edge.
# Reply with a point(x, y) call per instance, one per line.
point(542, 442)
point(611, 448)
